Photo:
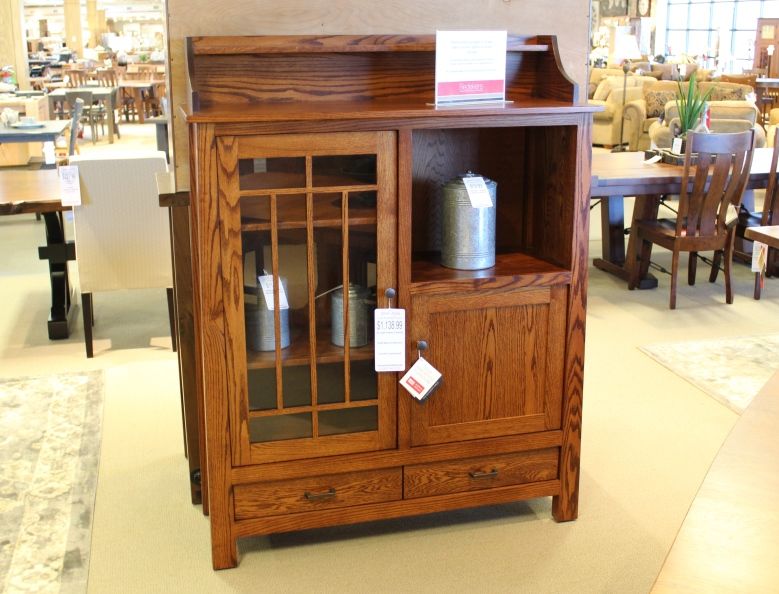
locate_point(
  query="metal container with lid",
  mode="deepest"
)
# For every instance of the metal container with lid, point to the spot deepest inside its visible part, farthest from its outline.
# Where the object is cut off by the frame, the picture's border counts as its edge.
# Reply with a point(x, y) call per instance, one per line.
point(467, 233)
point(260, 323)
point(358, 316)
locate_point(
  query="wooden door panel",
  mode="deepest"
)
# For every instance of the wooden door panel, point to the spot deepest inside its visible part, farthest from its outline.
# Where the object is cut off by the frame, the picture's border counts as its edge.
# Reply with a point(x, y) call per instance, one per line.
point(501, 357)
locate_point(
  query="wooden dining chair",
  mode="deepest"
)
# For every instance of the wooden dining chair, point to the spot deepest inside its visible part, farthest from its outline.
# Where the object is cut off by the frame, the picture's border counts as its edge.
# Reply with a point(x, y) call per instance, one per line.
point(72, 146)
point(716, 171)
point(92, 114)
point(768, 216)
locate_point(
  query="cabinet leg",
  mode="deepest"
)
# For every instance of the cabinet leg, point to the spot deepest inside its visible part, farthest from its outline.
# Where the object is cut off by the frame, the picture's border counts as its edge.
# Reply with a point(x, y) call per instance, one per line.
point(565, 509)
point(224, 555)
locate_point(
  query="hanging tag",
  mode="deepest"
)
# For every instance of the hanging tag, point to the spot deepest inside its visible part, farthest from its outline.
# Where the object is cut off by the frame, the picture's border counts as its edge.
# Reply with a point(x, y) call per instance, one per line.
point(266, 283)
point(70, 186)
point(49, 153)
point(389, 330)
point(676, 146)
point(477, 190)
point(759, 256)
point(421, 379)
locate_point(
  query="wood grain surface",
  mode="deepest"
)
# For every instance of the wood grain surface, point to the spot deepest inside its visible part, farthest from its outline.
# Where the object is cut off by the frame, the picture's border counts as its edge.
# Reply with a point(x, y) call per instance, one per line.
point(474, 474)
point(284, 497)
point(24, 191)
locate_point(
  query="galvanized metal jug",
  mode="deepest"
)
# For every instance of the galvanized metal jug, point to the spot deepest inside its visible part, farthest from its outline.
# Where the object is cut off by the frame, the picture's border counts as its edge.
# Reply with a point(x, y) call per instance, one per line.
point(467, 233)
point(358, 316)
point(260, 326)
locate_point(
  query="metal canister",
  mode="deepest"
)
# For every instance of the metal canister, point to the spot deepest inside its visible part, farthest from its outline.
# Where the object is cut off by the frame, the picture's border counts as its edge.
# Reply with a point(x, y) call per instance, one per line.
point(260, 324)
point(467, 233)
point(358, 316)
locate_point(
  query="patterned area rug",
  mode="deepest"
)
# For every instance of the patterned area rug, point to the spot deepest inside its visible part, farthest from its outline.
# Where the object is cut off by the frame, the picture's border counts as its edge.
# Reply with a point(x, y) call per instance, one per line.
point(731, 370)
point(50, 430)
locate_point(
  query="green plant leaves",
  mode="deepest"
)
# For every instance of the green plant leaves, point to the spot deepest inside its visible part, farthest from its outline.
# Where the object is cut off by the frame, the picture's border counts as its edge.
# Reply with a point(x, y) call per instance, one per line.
point(690, 105)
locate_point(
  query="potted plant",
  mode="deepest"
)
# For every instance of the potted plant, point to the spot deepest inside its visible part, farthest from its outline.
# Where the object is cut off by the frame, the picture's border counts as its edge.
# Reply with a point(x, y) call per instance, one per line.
point(691, 106)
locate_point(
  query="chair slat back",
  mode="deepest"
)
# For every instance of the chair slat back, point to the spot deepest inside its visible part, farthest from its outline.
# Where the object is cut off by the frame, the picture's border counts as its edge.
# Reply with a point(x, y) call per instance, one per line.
point(75, 116)
point(85, 96)
point(717, 178)
point(107, 78)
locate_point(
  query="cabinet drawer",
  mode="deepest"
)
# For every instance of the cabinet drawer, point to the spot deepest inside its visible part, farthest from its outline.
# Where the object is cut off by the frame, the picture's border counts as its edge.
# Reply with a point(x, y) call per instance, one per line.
point(472, 474)
point(320, 492)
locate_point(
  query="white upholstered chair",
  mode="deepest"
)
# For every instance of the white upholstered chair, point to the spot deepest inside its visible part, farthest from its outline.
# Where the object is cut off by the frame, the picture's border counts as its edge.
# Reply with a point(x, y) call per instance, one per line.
point(122, 235)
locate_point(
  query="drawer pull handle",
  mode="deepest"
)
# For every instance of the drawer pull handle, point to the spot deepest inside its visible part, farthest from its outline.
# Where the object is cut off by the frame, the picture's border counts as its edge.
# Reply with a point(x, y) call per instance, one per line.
point(478, 474)
point(329, 494)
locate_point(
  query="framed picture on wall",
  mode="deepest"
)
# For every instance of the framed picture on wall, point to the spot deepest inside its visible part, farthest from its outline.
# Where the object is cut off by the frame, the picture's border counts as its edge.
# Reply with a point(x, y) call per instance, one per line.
point(613, 8)
point(643, 8)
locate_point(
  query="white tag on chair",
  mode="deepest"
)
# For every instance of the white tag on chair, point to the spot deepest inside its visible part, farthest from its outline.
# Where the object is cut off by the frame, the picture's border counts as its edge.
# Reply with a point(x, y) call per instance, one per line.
point(70, 186)
point(759, 256)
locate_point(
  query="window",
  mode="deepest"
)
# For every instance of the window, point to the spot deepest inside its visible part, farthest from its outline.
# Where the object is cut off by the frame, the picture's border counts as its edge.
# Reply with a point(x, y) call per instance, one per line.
point(717, 33)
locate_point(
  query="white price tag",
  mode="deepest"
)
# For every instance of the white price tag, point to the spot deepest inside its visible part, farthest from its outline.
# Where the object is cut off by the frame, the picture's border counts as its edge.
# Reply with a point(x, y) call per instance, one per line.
point(676, 146)
point(478, 193)
point(70, 186)
point(266, 284)
point(653, 160)
point(389, 327)
point(759, 256)
point(421, 379)
point(49, 153)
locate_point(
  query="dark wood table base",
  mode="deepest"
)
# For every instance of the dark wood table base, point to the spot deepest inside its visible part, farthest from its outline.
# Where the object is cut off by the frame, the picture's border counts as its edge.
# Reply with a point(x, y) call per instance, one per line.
point(58, 251)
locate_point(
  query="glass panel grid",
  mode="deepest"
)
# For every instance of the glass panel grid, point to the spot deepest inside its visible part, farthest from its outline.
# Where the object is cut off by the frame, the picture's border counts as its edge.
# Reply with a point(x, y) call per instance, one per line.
point(287, 396)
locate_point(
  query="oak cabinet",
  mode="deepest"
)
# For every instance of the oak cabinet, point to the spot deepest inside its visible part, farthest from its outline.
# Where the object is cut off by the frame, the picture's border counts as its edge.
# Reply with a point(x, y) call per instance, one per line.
point(316, 167)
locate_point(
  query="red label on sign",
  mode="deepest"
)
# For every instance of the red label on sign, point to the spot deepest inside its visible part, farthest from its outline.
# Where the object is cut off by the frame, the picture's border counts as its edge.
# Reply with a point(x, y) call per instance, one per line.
point(415, 385)
point(470, 87)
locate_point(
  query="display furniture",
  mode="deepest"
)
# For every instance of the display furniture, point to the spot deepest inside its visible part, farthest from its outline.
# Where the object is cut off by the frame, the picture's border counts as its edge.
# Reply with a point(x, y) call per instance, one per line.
point(316, 164)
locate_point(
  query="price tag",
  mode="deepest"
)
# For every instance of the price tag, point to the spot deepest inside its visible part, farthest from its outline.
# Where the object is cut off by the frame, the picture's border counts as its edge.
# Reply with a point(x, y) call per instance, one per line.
point(70, 186)
point(266, 284)
point(49, 153)
point(676, 146)
point(421, 380)
point(759, 256)
point(478, 193)
point(389, 327)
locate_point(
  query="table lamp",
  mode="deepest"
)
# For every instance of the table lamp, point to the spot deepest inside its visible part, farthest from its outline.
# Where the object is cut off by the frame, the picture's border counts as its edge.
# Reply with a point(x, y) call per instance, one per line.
point(625, 50)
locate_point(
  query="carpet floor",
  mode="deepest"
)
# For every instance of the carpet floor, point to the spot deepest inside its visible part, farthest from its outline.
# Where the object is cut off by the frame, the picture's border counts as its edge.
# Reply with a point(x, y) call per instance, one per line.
point(50, 429)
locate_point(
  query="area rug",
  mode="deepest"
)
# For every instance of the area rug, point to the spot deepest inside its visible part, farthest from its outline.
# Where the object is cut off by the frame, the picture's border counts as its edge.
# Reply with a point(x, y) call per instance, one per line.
point(50, 430)
point(731, 370)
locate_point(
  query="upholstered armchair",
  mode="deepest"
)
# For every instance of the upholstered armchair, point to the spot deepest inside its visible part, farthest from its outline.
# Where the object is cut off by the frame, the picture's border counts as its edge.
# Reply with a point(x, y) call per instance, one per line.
point(643, 112)
point(726, 117)
point(609, 95)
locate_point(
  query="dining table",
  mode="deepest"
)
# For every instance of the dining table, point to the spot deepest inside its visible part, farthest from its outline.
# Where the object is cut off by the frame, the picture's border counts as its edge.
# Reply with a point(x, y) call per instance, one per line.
point(43, 131)
point(105, 95)
point(621, 174)
point(38, 192)
point(39, 131)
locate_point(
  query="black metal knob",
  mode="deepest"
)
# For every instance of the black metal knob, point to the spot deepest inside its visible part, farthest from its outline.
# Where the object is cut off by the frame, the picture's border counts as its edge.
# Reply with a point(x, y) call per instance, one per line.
point(390, 293)
point(421, 345)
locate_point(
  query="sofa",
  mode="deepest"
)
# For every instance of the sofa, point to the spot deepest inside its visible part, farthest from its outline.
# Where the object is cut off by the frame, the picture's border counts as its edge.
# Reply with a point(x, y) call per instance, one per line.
point(644, 111)
point(608, 95)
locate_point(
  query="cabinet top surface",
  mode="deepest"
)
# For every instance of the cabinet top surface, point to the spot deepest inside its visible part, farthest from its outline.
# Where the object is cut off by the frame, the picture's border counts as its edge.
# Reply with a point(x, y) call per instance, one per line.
point(371, 110)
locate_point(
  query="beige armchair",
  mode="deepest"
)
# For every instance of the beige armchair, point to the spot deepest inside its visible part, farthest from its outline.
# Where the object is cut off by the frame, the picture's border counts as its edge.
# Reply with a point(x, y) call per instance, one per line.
point(643, 112)
point(609, 95)
point(726, 117)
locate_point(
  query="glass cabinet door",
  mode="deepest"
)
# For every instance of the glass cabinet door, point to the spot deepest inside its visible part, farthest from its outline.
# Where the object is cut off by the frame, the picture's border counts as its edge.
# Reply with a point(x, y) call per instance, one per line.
point(308, 241)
